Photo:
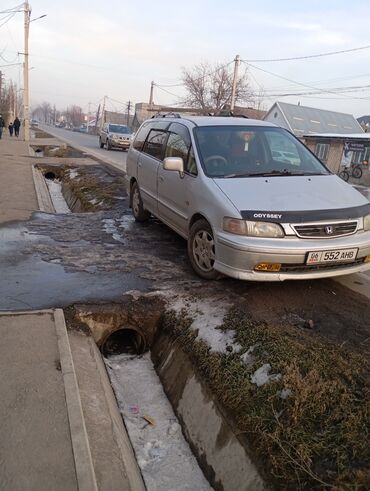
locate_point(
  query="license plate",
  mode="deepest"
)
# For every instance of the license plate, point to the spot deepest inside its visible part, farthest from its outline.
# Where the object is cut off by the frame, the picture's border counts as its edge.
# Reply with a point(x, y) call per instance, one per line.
point(336, 256)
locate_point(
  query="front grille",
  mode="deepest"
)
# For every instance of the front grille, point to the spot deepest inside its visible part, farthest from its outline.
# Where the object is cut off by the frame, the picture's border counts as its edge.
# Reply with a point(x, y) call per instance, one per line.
point(301, 268)
point(327, 230)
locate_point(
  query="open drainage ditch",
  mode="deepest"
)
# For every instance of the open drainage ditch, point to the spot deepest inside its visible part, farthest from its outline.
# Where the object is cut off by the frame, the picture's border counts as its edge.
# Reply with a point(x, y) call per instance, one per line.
point(175, 424)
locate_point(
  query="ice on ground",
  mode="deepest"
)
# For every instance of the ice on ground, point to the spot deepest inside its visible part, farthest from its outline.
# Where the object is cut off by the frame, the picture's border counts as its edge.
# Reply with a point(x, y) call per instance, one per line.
point(207, 318)
point(262, 376)
point(110, 228)
point(162, 452)
point(56, 195)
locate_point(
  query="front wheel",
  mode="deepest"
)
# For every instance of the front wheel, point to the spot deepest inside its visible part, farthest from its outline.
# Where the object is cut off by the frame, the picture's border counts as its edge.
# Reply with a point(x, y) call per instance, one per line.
point(101, 144)
point(109, 146)
point(138, 210)
point(343, 174)
point(201, 250)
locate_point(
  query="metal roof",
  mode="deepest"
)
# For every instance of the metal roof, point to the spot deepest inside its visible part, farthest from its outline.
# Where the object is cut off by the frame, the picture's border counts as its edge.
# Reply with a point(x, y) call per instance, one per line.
point(306, 120)
point(346, 136)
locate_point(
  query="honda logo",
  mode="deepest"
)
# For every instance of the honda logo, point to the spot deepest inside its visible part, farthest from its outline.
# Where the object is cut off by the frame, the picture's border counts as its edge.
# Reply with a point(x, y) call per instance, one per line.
point(329, 230)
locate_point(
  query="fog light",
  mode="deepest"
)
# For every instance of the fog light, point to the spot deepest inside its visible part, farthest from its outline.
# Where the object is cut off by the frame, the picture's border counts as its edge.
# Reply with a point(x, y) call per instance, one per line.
point(367, 259)
point(271, 267)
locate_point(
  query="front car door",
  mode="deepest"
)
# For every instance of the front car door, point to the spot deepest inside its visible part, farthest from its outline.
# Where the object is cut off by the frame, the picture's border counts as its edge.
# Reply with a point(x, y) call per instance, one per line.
point(174, 190)
point(149, 161)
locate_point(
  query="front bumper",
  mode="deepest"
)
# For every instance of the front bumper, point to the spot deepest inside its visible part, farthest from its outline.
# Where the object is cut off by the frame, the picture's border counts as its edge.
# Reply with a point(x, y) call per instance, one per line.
point(237, 256)
point(120, 143)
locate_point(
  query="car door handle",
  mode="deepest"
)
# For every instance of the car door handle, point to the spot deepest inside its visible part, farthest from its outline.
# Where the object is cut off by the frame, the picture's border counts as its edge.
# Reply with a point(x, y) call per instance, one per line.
point(161, 179)
point(140, 164)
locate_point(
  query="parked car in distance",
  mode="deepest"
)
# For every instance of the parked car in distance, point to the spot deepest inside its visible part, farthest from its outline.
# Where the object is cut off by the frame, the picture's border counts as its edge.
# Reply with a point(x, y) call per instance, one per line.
point(244, 211)
point(115, 136)
point(34, 123)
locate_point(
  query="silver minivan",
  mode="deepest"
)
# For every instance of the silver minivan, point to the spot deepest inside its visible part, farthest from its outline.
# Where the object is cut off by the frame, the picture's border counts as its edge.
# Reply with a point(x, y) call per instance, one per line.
point(252, 201)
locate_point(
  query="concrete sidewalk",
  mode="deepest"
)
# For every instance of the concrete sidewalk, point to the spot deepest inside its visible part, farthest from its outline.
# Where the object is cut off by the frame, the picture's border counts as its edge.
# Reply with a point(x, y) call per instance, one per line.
point(17, 192)
point(36, 445)
point(60, 428)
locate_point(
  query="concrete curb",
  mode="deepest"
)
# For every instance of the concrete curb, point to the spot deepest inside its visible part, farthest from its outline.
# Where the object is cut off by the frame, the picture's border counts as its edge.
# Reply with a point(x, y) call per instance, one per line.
point(122, 439)
point(81, 449)
point(42, 192)
point(90, 152)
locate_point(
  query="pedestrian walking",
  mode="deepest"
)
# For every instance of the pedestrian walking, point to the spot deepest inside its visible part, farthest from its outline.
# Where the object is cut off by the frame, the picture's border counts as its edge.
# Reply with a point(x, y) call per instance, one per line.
point(16, 125)
point(2, 124)
point(11, 128)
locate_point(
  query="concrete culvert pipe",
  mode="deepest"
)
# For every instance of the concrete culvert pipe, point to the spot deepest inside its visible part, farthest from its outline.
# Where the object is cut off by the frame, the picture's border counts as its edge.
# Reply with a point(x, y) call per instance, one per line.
point(50, 175)
point(124, 340)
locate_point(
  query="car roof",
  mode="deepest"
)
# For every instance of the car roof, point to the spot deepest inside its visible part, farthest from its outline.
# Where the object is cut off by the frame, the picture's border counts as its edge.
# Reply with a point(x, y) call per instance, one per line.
point(215, 121)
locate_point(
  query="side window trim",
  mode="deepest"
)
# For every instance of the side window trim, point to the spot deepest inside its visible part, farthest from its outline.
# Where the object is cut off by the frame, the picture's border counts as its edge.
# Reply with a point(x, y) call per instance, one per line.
point(186, 129)
point(164, 144)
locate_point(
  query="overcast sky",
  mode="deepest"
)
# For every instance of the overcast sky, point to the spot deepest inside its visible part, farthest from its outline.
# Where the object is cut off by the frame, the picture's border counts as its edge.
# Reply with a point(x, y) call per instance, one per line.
point(85, 49)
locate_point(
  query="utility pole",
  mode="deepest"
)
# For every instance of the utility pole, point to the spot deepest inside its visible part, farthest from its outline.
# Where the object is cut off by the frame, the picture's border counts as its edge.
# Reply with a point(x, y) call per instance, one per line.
point(151, 94)
point(1, 85)
point(235, 81)
point(103, 112)
point(97, 118)
point(26, 94)
point(128, 112)
point(88, 117)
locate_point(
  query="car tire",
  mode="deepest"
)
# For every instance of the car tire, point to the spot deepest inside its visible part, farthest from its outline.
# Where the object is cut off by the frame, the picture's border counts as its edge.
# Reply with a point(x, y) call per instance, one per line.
point(108, 145)
point(201, 250)
point(101, 144)
point(138, 210)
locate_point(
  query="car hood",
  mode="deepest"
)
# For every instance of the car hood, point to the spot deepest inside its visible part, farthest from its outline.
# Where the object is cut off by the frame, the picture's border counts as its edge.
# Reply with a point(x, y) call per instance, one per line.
point(294, 194)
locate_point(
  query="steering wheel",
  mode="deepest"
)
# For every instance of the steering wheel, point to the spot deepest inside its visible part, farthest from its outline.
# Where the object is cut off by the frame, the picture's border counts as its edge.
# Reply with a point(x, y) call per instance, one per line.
point(217, 162)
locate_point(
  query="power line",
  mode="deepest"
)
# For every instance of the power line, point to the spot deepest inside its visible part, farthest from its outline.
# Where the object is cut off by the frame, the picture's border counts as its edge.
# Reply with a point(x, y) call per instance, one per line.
point(300, 83)
point(306, 57)
point(165, 90)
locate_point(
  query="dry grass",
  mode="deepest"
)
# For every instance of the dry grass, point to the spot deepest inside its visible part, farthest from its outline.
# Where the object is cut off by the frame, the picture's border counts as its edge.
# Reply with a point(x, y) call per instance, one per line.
point(316, 438)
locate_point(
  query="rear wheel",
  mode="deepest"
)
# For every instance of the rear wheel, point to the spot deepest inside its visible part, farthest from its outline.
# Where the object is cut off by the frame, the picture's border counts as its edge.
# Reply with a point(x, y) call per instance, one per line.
point(138, 210)
point(357, 172)
point(201, 250)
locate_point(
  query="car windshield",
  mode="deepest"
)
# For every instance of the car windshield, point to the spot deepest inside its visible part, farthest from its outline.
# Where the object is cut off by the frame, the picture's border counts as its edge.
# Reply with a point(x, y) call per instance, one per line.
point(254, 151)
point(119, 128)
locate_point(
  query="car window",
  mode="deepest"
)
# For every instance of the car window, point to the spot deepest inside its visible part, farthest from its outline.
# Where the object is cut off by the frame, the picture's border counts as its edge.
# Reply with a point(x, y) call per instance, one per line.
point(154, 143)
point(242, 151)
point(141, 136)
point(179, 145)
point(119, 128)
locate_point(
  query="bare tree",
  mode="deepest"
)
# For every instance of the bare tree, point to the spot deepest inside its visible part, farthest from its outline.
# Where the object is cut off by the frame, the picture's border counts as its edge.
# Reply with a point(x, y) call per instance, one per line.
point(209, 87)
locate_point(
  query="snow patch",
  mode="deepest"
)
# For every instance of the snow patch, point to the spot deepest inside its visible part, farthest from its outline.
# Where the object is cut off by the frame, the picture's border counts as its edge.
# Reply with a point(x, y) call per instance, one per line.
point(73, 173)
point(56, 195)
point(261, 376)
point(163, 454)
point(207, 318)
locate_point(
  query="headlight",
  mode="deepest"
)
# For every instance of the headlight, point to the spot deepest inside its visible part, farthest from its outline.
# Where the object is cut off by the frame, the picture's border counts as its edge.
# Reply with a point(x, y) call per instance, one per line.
point(253, 229)
point(114, 137)
point(367, 222)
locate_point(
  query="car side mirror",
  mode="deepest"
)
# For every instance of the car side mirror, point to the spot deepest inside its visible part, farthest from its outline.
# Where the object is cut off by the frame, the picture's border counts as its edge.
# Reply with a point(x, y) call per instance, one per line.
point(174, 163)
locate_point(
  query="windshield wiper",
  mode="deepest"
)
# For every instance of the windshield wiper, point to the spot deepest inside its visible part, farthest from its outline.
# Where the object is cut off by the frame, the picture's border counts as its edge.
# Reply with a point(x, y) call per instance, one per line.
point(284, 172)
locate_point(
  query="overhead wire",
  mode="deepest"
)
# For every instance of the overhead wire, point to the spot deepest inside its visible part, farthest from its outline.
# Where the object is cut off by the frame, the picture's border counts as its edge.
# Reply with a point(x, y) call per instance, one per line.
point(307, 57)
point(307, 86)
